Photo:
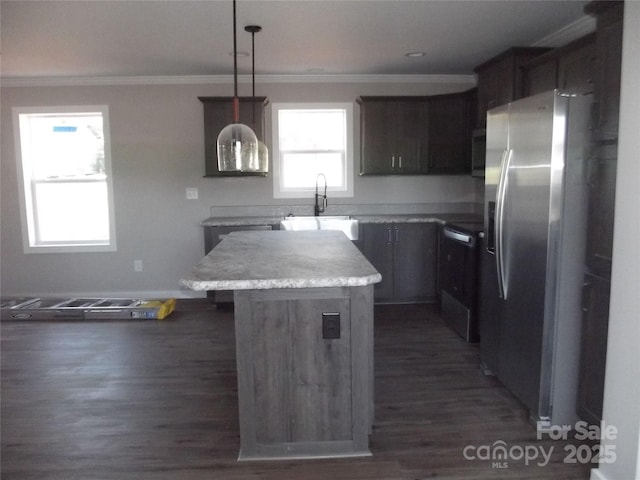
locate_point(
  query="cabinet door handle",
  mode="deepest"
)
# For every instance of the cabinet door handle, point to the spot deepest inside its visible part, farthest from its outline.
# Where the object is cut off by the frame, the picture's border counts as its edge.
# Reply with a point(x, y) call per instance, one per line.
point(393, 161)
point(593, 171)
point(389, 239)
point(396, 234)
point(400, 161)
point(586, 292)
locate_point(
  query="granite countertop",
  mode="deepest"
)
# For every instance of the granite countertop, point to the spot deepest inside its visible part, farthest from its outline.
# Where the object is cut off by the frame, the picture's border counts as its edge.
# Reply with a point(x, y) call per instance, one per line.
point(282, 259)
point(240, 221)
point(442, 218)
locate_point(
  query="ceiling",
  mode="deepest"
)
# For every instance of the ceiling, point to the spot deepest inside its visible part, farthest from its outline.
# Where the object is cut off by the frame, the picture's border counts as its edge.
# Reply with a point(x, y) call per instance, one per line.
point(299, 37)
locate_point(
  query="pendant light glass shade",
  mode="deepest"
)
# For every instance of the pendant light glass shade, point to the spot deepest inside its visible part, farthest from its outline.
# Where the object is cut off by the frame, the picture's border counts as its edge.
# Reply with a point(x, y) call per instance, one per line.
point(238, 149)
point(263, 157)
point(237, 143)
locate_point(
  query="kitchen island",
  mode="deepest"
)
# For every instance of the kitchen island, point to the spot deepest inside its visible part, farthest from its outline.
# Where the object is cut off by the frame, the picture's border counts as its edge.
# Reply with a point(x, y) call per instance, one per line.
point(304, 340)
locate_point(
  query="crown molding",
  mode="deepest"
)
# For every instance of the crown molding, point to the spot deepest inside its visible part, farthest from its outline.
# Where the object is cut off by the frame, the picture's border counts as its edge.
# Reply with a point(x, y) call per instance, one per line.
point(571, 32)
point(228, 79)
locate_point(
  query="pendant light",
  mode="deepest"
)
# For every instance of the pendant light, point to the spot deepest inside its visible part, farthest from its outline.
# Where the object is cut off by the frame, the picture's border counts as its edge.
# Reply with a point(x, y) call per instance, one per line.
point(263, 151)
point(237, 143)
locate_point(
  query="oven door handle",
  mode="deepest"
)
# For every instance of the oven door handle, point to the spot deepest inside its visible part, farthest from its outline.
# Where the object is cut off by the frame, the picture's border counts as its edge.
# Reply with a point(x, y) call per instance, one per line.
point(457, 236)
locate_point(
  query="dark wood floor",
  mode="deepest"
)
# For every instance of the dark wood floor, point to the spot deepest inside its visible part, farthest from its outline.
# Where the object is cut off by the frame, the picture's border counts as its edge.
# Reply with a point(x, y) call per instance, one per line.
point(157, 400)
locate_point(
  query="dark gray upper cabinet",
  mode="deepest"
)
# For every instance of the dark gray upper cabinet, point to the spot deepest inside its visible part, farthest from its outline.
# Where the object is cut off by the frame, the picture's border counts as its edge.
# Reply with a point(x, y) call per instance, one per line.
point(449, 134)
point(541, 77)
point(501, 79)
point(576, 67)
point(604, 145)
point(416, 135)
point(218, 113)
point(609, 16)
point(394, 134)
point(569, 67)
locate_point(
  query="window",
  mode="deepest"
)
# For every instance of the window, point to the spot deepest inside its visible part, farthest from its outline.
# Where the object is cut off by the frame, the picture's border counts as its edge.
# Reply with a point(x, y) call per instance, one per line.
point(310, 139)
point(66, 193)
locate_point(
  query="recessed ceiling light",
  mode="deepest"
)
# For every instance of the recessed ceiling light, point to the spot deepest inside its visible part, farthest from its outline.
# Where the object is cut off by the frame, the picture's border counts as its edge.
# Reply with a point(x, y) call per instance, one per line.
point(414, 54)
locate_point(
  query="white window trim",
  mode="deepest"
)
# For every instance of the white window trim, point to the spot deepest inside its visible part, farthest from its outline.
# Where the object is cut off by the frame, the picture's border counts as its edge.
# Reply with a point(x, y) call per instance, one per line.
point(25, 200)
point(278, 191)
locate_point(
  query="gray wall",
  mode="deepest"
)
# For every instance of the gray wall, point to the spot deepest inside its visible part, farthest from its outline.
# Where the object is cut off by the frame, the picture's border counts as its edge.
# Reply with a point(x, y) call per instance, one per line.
point(157, 152)
point(622, 381)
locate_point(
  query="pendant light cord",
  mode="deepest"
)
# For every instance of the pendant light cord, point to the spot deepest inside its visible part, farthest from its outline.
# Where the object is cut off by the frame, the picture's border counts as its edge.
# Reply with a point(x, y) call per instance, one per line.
point(253, 29)
point(253, 76)
point(236, 100)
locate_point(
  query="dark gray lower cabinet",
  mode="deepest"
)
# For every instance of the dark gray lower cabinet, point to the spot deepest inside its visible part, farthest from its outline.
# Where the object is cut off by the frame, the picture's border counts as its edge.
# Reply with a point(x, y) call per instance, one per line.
point(595, 325)
point(405, 254)
point(602, 192)
point(213, 235)
point(377, 246)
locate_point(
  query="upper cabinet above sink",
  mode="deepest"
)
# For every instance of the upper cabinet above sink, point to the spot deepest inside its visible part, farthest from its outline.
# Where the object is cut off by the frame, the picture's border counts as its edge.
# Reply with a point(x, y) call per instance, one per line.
point(394, 134)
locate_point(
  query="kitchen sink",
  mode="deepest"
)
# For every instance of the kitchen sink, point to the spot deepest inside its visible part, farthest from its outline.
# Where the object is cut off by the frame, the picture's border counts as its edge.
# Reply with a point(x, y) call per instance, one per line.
point(343, 223)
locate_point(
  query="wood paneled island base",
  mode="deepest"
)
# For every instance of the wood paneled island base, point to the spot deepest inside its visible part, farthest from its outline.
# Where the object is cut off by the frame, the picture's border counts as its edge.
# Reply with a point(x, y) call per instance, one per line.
point(304, 341)
point(300, 394)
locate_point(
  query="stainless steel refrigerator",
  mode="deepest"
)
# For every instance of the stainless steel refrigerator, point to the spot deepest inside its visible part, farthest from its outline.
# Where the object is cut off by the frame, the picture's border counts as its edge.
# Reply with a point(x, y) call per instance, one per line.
point(533, 264)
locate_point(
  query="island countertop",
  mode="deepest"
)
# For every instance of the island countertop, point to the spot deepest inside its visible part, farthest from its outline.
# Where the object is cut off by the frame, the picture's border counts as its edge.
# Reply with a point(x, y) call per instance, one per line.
point(282, 259)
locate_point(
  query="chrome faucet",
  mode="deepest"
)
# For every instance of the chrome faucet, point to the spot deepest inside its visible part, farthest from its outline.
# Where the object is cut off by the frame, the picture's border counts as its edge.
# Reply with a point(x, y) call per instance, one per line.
point(318, 209)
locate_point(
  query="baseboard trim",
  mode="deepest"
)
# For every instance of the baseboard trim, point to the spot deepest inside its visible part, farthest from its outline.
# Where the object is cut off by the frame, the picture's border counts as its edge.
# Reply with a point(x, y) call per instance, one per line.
point(597, 475)
point(138, 295)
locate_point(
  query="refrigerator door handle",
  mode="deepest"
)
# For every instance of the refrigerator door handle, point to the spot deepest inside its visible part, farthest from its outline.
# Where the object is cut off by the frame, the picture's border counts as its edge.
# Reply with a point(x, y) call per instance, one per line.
point(501, 195)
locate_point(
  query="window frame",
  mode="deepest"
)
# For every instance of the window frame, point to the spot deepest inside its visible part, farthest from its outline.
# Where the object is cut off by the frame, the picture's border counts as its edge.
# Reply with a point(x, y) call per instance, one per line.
point(28, 212)
point(279, 191)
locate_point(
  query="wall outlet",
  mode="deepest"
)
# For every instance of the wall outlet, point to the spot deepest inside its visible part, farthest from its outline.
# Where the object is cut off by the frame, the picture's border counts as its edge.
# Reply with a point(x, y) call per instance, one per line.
point(192, 193)
point(331, 326)
point(137, 265)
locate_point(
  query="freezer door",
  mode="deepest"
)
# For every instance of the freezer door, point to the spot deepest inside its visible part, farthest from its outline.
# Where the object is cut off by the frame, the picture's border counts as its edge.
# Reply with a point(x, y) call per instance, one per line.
point(489, 316)
point(490, 302)
point(497, 145)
